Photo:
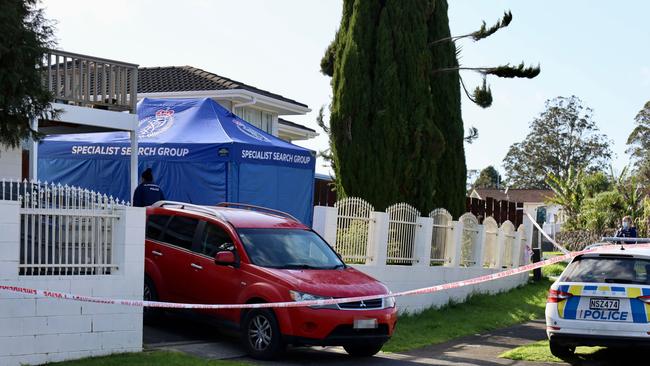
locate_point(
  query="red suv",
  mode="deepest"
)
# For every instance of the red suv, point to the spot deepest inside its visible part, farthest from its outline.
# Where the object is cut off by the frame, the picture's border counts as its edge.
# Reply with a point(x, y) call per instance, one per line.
point(240, 254)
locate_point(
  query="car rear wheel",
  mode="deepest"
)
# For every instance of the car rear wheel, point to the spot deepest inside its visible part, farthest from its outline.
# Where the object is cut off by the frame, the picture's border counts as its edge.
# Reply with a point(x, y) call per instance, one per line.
point(560, 350)
point(363, 350)
point(261, 334)
point(149, 293)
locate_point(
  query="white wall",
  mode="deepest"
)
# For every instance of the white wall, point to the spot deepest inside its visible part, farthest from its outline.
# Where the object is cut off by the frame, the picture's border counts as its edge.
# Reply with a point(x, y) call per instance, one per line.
point(403, 278)
point(420, 274)
point(11, 163)
point(40, 330)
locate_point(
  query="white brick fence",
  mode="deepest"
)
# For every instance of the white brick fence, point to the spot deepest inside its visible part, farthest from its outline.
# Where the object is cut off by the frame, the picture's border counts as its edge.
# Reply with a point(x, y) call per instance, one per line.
point(405, 250)
point(75, 241)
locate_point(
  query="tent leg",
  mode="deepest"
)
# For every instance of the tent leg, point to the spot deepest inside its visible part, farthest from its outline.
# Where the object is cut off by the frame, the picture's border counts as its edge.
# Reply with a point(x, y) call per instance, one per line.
point(134, 162)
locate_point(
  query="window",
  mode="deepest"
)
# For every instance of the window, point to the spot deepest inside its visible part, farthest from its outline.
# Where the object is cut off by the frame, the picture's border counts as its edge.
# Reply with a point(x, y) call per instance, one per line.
point(180, 231)
point(288, 248)
point(608, 269)
point(155, 226)
point(214, 240)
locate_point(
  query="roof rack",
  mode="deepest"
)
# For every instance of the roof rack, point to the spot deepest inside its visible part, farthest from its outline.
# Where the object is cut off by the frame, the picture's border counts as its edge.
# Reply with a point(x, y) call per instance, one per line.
point(190, 207)
point(257, 208)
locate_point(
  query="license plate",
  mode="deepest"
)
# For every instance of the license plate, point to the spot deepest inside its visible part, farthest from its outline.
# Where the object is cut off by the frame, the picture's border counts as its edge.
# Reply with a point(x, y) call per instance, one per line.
point(604, 304)
point(365, 323)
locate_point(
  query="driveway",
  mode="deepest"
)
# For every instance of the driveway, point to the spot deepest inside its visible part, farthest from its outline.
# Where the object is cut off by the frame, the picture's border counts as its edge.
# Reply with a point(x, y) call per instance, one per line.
point(186, 334)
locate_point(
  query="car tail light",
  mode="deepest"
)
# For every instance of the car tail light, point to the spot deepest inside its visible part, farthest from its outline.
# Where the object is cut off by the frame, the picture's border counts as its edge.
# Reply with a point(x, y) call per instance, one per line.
point(645, 299)
point(557, 296)
point(550, 327)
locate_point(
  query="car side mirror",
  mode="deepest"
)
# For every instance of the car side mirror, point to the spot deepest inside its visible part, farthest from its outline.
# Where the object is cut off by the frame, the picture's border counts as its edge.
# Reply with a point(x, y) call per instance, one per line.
point(225, 258)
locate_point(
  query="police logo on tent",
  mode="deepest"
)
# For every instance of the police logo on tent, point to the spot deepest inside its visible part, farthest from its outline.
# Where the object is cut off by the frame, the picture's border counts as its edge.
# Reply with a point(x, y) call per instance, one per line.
point(250, 131)
point(154, 125)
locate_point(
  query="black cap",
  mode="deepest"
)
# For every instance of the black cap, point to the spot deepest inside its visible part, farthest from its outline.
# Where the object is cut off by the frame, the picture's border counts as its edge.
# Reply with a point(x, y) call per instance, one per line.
point(147, 175)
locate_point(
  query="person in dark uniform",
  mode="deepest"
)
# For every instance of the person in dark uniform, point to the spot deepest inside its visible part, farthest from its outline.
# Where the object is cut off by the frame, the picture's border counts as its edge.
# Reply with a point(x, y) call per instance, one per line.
point(626, 230)
point(147, 192)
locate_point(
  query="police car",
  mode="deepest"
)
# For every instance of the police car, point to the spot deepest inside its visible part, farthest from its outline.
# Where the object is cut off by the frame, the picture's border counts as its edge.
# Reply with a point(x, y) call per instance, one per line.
point(601, 299)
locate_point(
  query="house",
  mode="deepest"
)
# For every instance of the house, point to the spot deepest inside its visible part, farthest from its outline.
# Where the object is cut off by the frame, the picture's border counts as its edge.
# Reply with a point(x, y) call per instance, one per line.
point(68, 239)
point(256, 106)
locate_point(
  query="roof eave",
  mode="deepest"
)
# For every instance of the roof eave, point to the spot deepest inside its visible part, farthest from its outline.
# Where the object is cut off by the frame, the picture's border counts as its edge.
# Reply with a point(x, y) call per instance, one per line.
point(283, 107)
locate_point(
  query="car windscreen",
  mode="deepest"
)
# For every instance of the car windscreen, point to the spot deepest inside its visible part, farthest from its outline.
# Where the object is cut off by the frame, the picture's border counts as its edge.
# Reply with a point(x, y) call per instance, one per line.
point(289, 249)
point(608, 269)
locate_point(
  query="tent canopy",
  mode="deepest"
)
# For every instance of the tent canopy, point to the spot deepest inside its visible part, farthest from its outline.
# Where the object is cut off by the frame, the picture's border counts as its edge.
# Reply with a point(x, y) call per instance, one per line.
point(199, 152)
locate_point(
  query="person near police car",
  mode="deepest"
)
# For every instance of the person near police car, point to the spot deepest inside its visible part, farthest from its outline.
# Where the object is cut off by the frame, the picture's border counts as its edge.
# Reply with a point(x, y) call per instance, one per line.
point(147, 193)
point(626, 230)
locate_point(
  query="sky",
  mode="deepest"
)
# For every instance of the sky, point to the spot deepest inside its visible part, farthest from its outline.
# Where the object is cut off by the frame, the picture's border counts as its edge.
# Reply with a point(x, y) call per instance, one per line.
point(597, 50)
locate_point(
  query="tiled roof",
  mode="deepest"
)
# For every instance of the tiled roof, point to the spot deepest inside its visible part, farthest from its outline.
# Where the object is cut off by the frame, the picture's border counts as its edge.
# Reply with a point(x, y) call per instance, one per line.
point(188, 78)
point(283, 121)
point(516, 195)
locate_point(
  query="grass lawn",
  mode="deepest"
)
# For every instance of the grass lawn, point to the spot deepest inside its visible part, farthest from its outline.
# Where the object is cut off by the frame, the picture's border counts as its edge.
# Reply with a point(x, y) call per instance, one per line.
point(554, 269)
point(539, 352)
point(149, 359)
point(480, 313)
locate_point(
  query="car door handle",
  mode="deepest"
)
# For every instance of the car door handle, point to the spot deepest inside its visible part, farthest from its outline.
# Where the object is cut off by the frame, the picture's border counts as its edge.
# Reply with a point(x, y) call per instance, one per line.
point(155, 252)
point(194, 265)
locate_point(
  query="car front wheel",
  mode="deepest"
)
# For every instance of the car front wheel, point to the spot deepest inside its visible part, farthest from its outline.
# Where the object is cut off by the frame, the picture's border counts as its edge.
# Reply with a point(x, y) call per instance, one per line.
point(560, 350)
point(363, 350)
point(261, 334)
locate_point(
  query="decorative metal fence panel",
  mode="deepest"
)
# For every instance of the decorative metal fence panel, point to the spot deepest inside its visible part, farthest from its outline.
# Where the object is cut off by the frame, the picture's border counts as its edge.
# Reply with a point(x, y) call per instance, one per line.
point(402, 225)
point(353, 229)
point(469, 239)
point(490, 249)
point(440, 233)
point(64, 230)
point(508, 232)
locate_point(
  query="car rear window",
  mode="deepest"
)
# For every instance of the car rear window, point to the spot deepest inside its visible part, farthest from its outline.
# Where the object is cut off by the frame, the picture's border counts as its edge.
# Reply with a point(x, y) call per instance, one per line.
point(608, 269)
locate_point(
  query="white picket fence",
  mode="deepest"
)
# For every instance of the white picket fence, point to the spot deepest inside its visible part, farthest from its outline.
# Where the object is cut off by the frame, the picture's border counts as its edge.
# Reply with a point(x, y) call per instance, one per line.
point(401, 236)
point(63, 230)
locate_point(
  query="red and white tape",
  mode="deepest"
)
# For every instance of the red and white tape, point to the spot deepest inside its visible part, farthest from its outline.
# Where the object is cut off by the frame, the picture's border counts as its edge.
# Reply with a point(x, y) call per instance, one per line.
point(294, 304)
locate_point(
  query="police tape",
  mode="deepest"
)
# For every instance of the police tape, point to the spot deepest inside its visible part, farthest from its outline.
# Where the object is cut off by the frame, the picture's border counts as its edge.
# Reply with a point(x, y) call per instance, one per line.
point(310, 303)
point(555, 244)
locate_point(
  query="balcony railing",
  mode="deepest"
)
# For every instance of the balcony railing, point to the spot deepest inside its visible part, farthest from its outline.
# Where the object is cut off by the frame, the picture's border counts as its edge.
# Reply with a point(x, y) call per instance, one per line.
point(90, 81)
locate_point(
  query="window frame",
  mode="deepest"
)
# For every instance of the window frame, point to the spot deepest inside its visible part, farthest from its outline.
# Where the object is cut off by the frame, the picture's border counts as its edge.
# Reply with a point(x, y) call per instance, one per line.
point(201, 229)
point(194, 236)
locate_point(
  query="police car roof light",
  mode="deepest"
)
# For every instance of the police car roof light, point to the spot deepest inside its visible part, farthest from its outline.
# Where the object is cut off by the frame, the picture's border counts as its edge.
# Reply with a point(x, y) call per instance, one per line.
point(257, 208)
point(612, 239)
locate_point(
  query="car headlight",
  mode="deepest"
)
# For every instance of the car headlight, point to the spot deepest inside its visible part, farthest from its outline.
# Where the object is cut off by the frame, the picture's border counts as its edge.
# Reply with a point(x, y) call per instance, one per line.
point(302, 296)
point(389, 302)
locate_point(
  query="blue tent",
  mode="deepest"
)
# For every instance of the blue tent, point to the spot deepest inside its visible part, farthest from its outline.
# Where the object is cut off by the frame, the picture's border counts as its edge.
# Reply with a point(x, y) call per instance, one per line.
point(199, 152)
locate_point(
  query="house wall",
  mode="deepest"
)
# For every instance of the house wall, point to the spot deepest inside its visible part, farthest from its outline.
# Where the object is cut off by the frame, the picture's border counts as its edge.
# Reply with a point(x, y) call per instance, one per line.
point(41, 330)
point(11, 163)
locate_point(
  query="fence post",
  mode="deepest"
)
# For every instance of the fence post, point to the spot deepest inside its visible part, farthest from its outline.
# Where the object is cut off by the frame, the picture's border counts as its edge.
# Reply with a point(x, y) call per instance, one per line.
point(501, 243)
point(325, 223)
point(423, 234)
point(378, 243)
point(9, 240)
point(480, 245)
point(516, 250)
point(457, 243)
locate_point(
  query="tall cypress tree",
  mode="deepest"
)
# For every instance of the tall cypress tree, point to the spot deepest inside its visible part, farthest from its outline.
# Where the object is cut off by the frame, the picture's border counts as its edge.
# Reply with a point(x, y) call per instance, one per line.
point(395, 130)
point(384, 141)
point(445, 93)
